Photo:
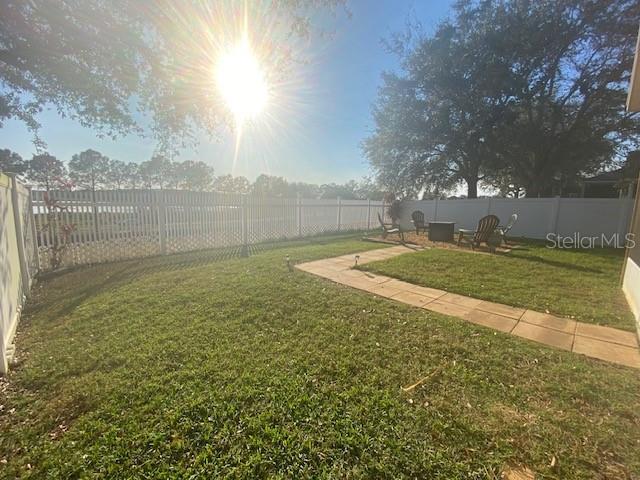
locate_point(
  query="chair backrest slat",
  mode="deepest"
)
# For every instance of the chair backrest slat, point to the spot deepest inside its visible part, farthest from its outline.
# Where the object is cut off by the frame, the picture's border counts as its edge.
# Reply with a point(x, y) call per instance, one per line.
point(486, 226)
point(418, 218)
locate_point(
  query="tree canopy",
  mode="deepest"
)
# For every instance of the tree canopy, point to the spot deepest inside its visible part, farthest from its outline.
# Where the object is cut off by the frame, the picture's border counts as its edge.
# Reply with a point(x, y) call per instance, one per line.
point(46, 171)
point(90, 169)
point(517, 94)
point(11, 162)
point(116, 65)
point(194, 175)
point(230, 184)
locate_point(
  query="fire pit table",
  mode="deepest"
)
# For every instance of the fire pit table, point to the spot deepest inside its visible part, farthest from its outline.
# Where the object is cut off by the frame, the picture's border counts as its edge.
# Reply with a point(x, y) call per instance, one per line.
point(441, 231)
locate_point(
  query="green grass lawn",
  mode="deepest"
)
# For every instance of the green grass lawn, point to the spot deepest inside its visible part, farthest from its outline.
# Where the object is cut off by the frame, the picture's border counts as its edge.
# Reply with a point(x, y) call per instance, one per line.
point(582, 284)
point(193, 366)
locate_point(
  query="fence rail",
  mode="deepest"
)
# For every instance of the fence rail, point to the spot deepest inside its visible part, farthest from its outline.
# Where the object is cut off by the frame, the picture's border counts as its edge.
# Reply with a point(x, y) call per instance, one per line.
point(18, 259)
point(80, 227)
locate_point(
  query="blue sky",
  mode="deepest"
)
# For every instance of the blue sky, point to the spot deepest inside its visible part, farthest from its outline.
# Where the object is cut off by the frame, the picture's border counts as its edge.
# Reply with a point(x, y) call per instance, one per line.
point(315, 139)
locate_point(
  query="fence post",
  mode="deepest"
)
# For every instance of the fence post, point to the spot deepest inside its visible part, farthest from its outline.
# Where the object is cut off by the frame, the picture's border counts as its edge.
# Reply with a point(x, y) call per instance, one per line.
point(623, 220)
point(17, 220)
point(245, 234)
point(34, 232)
point(94, 207)
point(339, 212)
point(368, 214)
point(555, 213)
point(162, 221)
point(299, 212)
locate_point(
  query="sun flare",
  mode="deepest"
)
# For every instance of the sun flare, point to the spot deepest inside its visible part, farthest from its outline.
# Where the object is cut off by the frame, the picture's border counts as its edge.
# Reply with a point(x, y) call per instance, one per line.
point(242, 83)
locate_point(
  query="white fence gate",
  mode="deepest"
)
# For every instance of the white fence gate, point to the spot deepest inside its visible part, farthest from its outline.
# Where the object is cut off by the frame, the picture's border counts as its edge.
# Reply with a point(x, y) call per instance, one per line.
point(81, 227)
point(537, 217)
point(18, 260)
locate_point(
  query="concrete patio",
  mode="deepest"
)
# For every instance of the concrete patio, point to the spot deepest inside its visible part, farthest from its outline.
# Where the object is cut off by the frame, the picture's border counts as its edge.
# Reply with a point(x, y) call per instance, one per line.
point(604, 343)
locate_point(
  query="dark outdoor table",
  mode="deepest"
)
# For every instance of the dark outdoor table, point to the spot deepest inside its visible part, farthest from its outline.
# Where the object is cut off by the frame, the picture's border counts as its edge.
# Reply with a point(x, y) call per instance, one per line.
point(441, 231)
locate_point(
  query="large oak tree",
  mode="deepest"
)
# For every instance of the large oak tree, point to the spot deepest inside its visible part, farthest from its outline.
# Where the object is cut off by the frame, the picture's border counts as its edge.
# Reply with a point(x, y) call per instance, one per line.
point(518, 92)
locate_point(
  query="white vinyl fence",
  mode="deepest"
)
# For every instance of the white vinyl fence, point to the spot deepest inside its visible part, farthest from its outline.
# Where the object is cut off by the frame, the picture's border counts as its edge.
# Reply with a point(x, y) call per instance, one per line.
point(18, 260)
point(537, 217)
point(81, 227)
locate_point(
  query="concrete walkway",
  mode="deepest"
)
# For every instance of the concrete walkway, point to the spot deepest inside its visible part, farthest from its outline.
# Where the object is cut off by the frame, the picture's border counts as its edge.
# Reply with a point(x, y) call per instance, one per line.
point(595, 341)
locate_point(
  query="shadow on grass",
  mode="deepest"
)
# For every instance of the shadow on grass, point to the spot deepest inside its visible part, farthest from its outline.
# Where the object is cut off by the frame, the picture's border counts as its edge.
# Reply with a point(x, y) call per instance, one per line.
point(72, 286)
point(553, 263)
point(525, 244)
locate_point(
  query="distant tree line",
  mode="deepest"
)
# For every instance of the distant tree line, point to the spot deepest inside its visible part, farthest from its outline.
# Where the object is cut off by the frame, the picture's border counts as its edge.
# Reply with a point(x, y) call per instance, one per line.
point(523, 96)
point(92, 170)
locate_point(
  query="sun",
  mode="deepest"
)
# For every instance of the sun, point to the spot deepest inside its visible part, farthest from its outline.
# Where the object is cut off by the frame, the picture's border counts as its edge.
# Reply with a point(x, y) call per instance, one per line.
point(241, 82)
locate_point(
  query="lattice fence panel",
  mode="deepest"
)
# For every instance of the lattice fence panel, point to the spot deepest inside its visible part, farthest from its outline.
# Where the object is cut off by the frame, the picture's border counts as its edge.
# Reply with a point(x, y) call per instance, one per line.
point(111, 225)
point(101, 226)
point(270, 219)
point(354, 215)
point(319, 216)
